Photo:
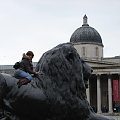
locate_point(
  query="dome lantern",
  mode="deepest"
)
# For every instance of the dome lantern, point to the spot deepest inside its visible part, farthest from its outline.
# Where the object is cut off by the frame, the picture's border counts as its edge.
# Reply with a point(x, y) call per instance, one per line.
point(85, 21)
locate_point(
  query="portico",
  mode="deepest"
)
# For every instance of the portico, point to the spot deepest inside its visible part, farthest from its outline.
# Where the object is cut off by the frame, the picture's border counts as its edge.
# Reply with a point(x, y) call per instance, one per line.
point(100, 91)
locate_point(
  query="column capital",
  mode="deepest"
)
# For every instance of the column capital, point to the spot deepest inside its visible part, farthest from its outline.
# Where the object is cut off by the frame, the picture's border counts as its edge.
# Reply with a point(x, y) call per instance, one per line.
point(98, 74)
point(109, 76)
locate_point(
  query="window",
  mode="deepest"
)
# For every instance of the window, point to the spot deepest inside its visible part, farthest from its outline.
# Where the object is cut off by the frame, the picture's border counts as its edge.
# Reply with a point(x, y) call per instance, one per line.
point(83, 51)
point(97, 51)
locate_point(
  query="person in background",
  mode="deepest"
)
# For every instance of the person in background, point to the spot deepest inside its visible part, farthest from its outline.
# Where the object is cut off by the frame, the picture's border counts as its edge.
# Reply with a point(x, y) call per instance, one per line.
point(25, 70)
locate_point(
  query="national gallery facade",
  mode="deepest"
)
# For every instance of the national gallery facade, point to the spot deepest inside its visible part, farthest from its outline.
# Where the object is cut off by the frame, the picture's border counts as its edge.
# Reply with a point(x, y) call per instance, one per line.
point(103, 92)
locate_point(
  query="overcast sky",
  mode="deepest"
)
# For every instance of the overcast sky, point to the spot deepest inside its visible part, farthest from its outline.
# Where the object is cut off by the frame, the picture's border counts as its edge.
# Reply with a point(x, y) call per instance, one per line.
point(40, 25)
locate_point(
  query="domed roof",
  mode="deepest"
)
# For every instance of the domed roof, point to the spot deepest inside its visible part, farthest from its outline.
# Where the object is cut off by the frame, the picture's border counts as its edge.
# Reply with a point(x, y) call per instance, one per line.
point(86, 34)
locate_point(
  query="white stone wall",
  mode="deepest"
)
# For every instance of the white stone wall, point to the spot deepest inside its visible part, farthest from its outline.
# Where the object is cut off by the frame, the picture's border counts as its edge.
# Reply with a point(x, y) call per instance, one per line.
point(90, 50)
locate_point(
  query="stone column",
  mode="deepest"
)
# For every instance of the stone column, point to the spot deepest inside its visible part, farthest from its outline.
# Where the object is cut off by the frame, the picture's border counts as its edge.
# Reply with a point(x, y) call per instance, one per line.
point(88, 93)
point(98, 95)
point(110, 94)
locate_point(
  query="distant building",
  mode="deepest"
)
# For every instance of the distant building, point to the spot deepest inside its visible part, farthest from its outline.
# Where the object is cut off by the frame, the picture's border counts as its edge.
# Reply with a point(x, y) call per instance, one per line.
point(9, 68)
point(103, 93)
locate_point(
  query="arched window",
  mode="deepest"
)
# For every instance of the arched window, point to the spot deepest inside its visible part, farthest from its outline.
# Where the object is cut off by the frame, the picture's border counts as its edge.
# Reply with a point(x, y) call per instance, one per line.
point(97, 51)
point(83, 51)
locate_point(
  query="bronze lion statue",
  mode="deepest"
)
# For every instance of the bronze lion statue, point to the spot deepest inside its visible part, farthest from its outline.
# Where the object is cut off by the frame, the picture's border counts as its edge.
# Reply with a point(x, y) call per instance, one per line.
point(59, 93)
